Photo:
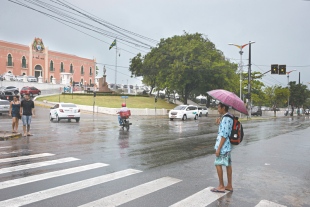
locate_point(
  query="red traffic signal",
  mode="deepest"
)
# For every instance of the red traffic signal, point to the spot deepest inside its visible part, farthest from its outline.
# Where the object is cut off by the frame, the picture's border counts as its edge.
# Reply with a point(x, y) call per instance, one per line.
point(274, 69)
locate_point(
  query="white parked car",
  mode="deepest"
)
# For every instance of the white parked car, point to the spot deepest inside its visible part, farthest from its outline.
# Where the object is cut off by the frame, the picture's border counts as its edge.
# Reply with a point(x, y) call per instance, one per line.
point(20, 78)
point(32, 79)
point(4, 106)
point(184, 112)
point(65, 111)
point(203, 111)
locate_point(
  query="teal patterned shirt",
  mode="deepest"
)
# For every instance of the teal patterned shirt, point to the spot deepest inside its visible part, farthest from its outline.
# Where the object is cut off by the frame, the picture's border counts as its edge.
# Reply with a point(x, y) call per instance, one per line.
point(224, 131)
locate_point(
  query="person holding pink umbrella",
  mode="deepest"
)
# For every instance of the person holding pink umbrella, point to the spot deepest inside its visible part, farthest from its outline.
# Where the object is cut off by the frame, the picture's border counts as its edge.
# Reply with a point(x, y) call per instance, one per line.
point(223, 149)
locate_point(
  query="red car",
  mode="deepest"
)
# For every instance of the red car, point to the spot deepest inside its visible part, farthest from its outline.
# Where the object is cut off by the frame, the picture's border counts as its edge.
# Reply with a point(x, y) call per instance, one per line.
point(29, 90)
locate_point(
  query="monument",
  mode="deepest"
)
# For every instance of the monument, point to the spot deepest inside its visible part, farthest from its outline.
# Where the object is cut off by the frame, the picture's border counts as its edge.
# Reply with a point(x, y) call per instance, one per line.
point(102, 83)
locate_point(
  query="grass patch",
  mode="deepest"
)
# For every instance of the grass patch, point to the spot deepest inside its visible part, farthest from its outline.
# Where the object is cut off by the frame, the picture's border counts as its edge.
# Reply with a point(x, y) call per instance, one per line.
point(110, 101)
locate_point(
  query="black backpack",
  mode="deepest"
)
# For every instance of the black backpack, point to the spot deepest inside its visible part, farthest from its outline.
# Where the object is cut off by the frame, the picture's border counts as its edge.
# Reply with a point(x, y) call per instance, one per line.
point(236, 135)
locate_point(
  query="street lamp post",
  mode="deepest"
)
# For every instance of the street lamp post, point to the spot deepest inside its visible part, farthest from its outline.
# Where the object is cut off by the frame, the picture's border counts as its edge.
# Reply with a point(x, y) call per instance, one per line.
point(288, 86)
point(240, 65)
point(249, 80)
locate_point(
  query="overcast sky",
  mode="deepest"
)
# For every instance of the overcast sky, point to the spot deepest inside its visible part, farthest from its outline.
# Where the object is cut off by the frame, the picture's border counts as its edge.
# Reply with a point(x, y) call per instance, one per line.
point(280, 28)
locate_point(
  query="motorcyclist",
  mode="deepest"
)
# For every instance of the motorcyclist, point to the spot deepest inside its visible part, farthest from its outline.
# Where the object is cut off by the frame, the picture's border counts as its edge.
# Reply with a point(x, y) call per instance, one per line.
point(123, 109)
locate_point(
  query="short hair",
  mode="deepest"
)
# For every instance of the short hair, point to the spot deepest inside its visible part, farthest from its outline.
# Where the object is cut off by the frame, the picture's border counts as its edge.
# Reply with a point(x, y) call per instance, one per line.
point(223, 105)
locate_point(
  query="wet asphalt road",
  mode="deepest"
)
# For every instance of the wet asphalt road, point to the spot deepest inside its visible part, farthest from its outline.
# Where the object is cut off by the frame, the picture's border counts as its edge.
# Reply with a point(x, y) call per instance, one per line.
point(271, 163)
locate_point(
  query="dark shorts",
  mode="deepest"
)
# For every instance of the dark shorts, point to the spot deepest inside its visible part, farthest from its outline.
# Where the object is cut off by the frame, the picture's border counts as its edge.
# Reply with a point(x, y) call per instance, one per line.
point(223, 159)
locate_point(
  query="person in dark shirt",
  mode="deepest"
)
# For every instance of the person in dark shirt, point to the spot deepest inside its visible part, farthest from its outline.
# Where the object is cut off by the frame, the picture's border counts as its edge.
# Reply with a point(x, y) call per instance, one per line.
point(26, 112)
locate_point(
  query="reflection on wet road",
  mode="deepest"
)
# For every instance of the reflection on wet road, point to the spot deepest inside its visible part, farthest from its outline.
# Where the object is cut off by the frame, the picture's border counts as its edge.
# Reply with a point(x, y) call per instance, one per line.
point(149, 143)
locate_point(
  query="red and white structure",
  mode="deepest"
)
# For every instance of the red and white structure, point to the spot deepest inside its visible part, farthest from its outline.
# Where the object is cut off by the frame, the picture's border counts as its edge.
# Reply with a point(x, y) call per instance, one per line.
point(47, 65)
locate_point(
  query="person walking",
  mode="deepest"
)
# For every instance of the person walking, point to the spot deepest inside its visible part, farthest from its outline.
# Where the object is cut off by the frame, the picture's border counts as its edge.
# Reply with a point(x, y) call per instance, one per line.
point(222, 149)
point(15, 113)
point(26, 112)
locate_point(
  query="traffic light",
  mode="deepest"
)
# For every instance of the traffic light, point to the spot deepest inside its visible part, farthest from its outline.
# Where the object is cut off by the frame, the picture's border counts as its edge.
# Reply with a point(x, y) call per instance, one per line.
point(274, 69)
point(282, 69)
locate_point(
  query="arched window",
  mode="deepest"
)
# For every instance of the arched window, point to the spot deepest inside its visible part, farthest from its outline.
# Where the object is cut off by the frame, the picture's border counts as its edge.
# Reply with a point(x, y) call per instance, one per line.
point(24, 63)
point(51, 66)
point(71, 68)
point(90, 71)
point(62, 67)
point(10, 61)
point(82, 70)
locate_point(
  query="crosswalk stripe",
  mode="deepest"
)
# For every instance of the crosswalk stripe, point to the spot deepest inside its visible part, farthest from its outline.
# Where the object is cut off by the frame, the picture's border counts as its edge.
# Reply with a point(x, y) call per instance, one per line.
point(14, 152)
point(5, 147)
point(199, 199)
point(11, 159)
point(68, 188)
point(133, 193)
point(265, 203)
point(34, 178)
point(37, 164)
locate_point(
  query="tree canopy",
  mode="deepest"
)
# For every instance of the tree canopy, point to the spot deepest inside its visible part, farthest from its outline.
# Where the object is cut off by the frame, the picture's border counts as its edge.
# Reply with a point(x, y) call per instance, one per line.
point(185, 64)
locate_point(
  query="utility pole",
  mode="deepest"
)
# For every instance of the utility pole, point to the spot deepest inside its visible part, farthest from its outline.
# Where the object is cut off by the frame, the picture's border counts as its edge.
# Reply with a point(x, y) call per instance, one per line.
point(249, 81)
point(115, 66)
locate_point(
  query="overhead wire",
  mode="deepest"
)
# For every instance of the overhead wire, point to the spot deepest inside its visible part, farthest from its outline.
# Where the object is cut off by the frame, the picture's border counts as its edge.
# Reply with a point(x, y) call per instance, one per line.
point(103, 21)
point(74, 21)
point(67, 19)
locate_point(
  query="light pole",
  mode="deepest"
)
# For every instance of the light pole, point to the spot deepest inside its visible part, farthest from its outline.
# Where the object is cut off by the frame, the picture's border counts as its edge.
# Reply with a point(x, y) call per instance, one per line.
point(240, 65)
point(288, 86)
point(249, 79)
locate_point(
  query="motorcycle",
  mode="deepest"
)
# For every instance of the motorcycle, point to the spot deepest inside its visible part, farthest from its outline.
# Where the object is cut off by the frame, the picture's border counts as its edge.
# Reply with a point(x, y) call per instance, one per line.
point(125, 119)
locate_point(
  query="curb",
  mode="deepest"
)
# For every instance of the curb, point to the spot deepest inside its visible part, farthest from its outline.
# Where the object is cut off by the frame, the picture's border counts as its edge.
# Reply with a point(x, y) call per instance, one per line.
point(6, 135)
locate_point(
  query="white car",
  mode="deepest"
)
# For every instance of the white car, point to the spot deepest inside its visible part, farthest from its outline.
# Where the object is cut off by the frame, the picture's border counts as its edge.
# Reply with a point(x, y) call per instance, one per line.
point(184, 112)
point(203, 111)
point(20, 78)
point(4, 106)
point(65, 111)
point(32, 79)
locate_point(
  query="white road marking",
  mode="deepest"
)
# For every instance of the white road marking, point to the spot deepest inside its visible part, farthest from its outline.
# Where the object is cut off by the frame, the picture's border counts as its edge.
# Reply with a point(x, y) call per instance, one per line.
point(60, 190)
point(133, 193)
point(37, 164)
point(11, 159)
point(5, 147)
point(200, 199)
point(265, 203)
point(34, 178)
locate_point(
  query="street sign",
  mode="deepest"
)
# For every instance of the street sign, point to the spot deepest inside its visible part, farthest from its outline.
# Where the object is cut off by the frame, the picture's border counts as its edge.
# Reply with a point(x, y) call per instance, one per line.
point(124, 97)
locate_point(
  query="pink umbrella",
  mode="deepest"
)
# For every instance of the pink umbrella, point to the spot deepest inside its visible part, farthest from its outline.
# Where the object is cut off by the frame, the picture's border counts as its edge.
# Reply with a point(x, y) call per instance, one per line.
point(229, 99)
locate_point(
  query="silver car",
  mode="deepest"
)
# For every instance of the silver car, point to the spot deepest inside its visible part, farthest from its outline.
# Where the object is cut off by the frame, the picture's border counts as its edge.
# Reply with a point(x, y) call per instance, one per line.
point(13, 89)
point(4, 106)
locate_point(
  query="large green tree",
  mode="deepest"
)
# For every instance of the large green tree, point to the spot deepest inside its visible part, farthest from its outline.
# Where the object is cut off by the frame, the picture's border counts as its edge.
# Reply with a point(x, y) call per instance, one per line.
point(298, 94)
point(276, 96)
point(186, 63)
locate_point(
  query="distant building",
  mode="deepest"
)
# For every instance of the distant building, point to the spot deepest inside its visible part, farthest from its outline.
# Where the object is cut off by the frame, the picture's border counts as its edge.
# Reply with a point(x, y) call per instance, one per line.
point(47, 65)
